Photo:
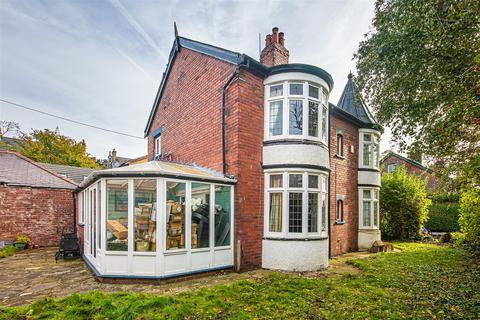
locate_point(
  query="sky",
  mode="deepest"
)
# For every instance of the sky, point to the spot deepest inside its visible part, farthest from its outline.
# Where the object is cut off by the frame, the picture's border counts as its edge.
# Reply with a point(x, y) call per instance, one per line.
point(101, 61)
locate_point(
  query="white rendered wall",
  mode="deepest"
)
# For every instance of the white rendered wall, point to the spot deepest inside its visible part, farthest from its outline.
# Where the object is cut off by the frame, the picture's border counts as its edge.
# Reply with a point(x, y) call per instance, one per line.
point(295, 154)
point(292, 255)
point(366, 237)
point(369, 178)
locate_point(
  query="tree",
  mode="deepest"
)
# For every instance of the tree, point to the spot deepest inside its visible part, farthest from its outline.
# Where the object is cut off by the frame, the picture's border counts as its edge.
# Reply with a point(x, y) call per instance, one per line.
point(470, 217)
point(403, 206)
point(419, 69)
point(52, 147)
point(8, 127)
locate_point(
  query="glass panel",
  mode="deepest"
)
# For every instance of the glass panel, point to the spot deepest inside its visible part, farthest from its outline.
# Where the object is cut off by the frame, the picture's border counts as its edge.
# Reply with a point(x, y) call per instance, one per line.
point(222, 215)
point(324, 125)
point(275, 219)
point(376, 155)
point(324, 97)
point(296, 117)
point(313, 92)
point(200, 215)
point(367, 154)
point(367, 194)
point(296, 89)
point(94, 223)
point(312, 119)
point(175, 210)
point(295, 180)
point(339, 145)
point(324, 212)
point(367, 222)
point(313, 212)
point(295, 212)
point(367, 137)
point(375, 213)
point(99, 215)
point(117, 215)
point(313, 181)
point(376, 194)
point(276, 118)
point(339, 216)
point(145, 214)
point(276, 91)
point(276, 180)
point(324, 184)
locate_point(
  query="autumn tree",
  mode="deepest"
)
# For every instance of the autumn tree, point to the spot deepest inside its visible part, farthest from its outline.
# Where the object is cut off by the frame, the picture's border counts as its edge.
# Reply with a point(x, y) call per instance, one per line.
point(419, 68)
point(52, 147)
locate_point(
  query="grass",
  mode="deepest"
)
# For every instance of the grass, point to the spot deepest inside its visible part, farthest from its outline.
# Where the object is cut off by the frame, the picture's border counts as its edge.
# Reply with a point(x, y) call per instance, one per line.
point(7, 251)
point(423, 281)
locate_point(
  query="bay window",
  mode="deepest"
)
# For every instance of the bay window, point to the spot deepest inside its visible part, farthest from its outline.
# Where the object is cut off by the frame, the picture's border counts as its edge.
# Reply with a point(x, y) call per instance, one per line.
point(369, 149)
point(295, 204)
point(369, 208)
point(296, 110)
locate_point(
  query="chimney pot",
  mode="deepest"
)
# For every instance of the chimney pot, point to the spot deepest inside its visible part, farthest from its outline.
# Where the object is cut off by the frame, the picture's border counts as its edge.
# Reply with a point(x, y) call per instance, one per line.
point(275, 35)
point(268, 40)
point(114, 155)
point(281, 38)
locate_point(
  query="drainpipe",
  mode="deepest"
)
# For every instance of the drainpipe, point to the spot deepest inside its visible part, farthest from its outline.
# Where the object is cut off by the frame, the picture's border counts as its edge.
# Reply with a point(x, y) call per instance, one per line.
point(74, 213)
point(329, 191)
point(224, 93)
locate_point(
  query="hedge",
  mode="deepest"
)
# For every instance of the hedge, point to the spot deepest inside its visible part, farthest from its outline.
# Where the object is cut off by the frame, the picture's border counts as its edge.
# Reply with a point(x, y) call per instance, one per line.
point(443, 217)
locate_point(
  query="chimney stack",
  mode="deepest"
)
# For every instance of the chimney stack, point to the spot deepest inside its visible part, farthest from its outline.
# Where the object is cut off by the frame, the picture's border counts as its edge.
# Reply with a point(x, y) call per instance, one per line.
point(274, 52)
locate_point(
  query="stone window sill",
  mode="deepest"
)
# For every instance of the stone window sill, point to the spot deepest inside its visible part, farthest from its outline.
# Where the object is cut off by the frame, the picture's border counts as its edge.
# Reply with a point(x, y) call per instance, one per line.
point(339, 156)
point(339, 222)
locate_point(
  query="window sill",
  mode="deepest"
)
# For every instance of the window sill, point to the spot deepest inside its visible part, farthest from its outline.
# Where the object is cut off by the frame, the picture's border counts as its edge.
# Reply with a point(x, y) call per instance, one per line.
point(339, 156)
point(316, 238)
point(339, 222)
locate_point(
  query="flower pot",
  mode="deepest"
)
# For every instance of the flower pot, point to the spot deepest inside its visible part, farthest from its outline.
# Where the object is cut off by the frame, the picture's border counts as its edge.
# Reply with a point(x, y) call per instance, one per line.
point(142, 245)
point(20, 246)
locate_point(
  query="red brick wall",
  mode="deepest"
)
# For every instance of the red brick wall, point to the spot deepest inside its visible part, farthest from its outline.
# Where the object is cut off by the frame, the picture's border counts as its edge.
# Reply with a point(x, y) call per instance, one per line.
point(190, 110)
point(411, 169)
point(40, 213)
point(190, 113)
point(343, 181)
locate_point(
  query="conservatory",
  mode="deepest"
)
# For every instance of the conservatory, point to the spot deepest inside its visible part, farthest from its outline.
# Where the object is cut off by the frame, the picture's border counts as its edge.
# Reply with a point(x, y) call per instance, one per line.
point(156, 220)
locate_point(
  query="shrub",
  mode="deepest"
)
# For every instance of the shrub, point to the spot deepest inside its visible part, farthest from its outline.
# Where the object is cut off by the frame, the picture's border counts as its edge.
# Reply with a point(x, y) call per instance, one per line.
point(470, 217)
point(22, 239)
point(458, 238)
point(403, 206)
point(443, 217)
point(7, 251)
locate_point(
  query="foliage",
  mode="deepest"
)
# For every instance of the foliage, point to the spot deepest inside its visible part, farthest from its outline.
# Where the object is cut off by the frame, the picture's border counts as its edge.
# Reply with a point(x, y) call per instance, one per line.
point(422, 281)
point(404, 205)
point(443, 217)
point(458, 238)
point(21, 238)
point(7, 251)
point(470, 217)
point(419, 68)
point(52, 147)
point(444, 197)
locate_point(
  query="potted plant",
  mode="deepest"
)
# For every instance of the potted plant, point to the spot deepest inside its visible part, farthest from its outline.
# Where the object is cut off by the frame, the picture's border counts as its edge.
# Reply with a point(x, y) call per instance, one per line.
point(21, 241)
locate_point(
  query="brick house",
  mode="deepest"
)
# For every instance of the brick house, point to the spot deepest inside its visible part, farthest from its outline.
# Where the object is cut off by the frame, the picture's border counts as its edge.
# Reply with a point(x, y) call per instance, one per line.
point(391, 160)
point(34, 201)
point(249, 165)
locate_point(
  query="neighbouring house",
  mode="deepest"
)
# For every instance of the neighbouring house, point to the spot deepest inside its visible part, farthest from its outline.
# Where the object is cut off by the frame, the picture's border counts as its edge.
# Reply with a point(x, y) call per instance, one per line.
point(249, 165)
point(113, 161)
point(34, 200)
point(391, 160)
point(76, 174)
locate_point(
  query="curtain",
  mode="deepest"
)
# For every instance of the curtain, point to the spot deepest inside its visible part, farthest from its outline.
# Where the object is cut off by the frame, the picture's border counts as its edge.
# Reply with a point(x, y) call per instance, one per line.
point(275, 224)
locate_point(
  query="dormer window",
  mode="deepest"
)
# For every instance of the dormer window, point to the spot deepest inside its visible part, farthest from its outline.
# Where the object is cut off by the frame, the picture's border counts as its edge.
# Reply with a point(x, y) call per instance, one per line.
point(296, 110)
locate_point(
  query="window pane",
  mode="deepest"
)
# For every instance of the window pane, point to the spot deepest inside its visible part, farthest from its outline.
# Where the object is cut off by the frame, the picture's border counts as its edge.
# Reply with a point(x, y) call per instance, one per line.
point(324, 125)
point(375, 213)
point(366, 214)
point(376, 155)
point(295, 180)
point(367, 154)
point(339, 212)
point(222, 215)
point(324, 184)
point(99, 217)
point(296, 117)
point(367, 137)
point(313, 92)
point(296, 89)
point(276, 180)
point(117, 215)
point(376, 194)
point(313, 181)
point(324, 97)
point(276, 91)
point(339, 145)
point(276, 118)
point(324, 212)
point(312, 119)
point(145, 214)
point(367, 194)
point(175, 215)
point(313, 212)
point(276, 212)
point(200, 203)
point(295, 212)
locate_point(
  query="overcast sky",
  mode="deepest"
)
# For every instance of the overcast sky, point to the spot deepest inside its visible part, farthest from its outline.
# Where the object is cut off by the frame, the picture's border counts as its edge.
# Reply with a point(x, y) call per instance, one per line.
point(101, 62)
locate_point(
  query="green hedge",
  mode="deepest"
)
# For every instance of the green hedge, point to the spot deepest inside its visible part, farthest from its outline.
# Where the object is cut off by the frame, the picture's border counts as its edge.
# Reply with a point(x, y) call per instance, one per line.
point(443, 217)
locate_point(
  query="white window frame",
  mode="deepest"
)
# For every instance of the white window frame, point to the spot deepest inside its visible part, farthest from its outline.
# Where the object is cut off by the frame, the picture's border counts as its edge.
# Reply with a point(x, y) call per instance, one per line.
point(157, 142)
point(391, 167)
point(373, 200)
point(80, 209)
point(322, 101)
point(322, 190)
point(374, 144)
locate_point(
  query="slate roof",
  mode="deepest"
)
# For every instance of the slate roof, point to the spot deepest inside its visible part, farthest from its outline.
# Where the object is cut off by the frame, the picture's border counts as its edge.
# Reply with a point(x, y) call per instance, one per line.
point(412, 162)
point(17, 170)
point(76, 174)
point(351, 105)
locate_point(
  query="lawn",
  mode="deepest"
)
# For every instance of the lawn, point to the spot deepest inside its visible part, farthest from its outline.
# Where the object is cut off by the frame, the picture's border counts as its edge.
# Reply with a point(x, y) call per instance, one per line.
point(423, 281)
